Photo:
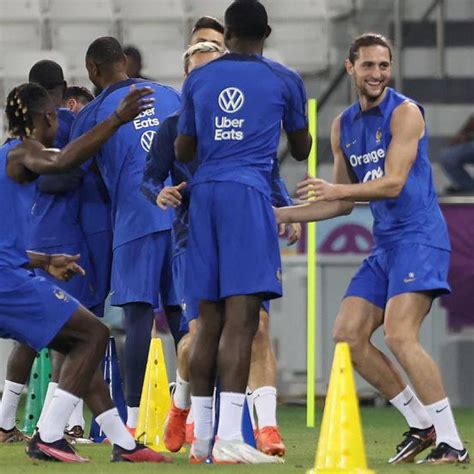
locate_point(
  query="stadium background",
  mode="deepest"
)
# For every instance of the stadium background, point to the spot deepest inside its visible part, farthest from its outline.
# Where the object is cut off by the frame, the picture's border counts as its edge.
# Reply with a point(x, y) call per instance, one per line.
point(433, 64)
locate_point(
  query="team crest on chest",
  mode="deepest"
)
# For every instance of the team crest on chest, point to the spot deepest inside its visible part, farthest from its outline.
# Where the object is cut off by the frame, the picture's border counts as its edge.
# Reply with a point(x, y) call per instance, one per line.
point(378, 136)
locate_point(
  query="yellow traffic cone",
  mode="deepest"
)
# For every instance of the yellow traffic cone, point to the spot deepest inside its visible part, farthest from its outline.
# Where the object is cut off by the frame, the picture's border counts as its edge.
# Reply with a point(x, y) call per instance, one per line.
point(155, 402)
point(341, 445)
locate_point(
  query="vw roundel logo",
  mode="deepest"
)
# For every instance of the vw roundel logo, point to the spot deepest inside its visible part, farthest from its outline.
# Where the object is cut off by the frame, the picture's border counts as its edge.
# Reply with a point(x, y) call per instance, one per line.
point(231, 100)
point(147, 139)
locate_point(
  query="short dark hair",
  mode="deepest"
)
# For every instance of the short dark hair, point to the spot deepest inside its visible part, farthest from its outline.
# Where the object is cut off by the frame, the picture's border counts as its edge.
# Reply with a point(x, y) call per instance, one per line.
point(208, 22)
point(23, 103)
point(78, 93)
point(105, 50)
point(133, 52)
point(47, 73)
point(368, 39)
point(247, 19)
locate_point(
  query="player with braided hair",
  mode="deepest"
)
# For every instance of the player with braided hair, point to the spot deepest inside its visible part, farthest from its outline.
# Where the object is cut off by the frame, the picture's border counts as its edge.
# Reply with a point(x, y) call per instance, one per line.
point(34, 311)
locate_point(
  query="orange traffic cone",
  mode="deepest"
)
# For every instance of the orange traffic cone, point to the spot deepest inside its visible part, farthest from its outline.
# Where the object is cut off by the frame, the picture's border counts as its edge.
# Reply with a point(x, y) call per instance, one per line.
point(341, 445)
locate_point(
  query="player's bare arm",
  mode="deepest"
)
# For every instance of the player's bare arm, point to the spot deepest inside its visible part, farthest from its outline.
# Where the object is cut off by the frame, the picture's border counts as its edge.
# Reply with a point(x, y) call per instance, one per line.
point(300, 144)
point(33, 156)
point(407, 128)
point(185, 148)
point(321, 210)
point(61, 266)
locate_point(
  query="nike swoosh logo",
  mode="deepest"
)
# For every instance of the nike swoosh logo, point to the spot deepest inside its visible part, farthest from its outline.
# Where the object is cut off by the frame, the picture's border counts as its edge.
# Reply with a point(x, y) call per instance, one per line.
point(237, 404)
point(463, 457)
point(444, 408)
point(16, 393)
point(408, 402)
point(208, 408)
point(408, 280)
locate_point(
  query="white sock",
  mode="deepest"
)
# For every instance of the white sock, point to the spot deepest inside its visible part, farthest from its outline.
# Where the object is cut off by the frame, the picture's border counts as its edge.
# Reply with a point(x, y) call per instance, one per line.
point(445, 426)
point(265, 401)
point(132, 416)
point(202, 409)
point(415, 413)
point(77, 417)
point(112, 426)
point(52, 386)
point(10, 399)
point(230, 416)
point(57, 414)
point(249, 398)
point(182, 393)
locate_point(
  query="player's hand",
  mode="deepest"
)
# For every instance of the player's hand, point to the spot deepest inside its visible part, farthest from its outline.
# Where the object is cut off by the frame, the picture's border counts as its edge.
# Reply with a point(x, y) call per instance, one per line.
point(64, 267)
point(317, 189)
point(135, 102)
point(294, 232)
point(170, 196)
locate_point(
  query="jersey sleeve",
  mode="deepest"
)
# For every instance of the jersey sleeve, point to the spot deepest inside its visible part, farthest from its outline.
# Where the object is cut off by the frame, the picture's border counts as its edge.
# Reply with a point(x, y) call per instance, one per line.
point(187, 120)
point(280, 195)
point(295, 117)
point(84, 122)
point(159, 161)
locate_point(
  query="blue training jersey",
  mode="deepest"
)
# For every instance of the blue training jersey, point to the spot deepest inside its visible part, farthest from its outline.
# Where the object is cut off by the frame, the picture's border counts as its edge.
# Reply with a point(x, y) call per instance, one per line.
point(414, 216)
point(122, 158)
point(15, 204)
point(55, 217)
point(161, 162)
point(235, 107)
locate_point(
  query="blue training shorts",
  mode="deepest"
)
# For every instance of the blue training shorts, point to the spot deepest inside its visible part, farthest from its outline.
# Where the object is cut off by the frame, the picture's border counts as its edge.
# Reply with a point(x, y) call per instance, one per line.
point(83, 288)
point(141, 271)
point(406, 268)
point(232, 244)
point(190, 306)
point(32, 309)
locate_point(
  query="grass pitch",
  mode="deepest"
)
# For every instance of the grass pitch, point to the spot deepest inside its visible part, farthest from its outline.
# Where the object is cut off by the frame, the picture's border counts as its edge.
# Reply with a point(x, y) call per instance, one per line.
point(383, 428)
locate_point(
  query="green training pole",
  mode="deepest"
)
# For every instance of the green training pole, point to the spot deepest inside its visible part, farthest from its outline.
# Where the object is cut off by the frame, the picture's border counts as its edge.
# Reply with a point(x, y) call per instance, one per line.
point(311, 279)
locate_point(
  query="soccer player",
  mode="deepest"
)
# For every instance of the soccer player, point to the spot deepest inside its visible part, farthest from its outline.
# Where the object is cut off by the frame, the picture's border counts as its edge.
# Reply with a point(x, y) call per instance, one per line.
point(380, 147)
point(209, 29)
point(55, 229)
point(161, 162)
point(232, 111)
point(141, 267)
point(33, 310)
point(76, 98)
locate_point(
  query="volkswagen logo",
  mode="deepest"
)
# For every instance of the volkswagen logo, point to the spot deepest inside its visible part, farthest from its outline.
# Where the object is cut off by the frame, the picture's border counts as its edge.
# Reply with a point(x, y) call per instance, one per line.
point(231, 99)
point(147, 139)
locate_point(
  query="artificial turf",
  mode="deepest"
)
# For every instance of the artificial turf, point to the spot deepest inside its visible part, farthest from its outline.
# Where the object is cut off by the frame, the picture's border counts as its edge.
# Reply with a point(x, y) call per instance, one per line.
point(382, 430)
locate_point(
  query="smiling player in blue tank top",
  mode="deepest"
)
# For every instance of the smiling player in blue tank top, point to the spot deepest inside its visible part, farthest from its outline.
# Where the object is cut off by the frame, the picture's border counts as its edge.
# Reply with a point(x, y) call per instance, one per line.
point(380, 147)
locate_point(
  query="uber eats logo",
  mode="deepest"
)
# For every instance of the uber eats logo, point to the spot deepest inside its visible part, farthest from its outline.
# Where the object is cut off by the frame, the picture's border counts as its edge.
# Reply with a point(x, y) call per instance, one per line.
point(230, 101)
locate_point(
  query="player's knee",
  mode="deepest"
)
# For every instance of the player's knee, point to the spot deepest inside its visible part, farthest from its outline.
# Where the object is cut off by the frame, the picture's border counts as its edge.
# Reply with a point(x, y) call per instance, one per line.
point(261, 336)
point(353, 339)
point(184, 346)
point(100, 335)
point(397, 342)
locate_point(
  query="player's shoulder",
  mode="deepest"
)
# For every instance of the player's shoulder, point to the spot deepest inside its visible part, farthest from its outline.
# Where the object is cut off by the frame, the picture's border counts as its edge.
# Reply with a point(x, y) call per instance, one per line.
point(349, 113)
point(162, 88)
point(65, 115)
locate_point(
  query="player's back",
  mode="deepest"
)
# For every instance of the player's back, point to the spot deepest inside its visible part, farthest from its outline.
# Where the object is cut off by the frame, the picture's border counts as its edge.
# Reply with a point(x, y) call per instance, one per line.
point(122, 159)
point(15, 202)
point(239, 103)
